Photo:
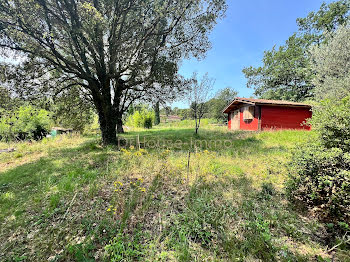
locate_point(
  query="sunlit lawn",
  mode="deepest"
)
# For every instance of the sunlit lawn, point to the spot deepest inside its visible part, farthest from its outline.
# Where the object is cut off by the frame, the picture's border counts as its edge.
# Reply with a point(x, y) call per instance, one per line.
point(69, 199)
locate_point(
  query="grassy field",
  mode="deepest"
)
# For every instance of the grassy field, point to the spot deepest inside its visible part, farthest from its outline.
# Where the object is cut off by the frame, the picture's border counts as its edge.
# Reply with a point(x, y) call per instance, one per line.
point(69, 199)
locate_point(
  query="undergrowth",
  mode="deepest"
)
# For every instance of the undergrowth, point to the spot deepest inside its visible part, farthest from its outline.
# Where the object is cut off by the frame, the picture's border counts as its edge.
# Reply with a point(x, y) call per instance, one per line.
point(69, 199)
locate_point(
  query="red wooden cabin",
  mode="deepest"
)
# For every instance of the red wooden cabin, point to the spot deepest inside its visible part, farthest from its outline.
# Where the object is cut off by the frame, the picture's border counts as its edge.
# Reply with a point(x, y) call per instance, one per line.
point(260, 114)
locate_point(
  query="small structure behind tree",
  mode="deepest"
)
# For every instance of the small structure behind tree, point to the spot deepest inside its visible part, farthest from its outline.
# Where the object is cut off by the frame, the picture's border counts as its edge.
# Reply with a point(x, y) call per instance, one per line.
point(261, 114)
point(170, 118)
point(60, 130)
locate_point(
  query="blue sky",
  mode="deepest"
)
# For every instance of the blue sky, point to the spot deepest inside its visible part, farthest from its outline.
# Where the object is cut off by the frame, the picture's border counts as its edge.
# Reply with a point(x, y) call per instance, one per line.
point(239, 40)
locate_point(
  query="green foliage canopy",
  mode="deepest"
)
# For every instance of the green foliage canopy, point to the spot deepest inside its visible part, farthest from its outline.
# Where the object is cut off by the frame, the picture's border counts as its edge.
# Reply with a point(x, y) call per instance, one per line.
point(331, 64)
point(70, 110)
point(217, 104)
point(286, 71)
point(25, 122)
point(143, 118)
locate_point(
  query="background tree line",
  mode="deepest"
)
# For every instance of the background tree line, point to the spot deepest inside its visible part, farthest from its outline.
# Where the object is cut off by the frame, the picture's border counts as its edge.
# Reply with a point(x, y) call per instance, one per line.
point(22, 119)
point(287, 71)
point(213, 107)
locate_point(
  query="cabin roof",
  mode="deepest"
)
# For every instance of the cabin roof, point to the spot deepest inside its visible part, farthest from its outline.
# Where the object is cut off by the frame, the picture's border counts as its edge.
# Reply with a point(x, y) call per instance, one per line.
point(252, 101)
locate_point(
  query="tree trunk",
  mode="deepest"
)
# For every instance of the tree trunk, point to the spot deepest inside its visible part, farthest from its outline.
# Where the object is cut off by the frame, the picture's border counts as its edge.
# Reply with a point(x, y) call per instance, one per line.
point(108, 128)
point(120, 129)
point(157, 115)
point(198, 123)
point(107, 118)
point(107, 112)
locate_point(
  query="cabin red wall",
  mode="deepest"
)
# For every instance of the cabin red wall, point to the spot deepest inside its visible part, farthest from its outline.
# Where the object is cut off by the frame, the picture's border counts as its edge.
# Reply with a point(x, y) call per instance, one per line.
point(229, 120)
point(275, 117)
point(251, 125)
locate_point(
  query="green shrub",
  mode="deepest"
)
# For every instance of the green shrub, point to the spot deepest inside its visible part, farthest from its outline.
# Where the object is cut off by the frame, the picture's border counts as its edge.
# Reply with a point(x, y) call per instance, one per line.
point(321, 178)
point(320, 170)
point(81, 252)
point(260, 242)
point(203, 220)
point(331, 120)
point(26, 122)
point(148, 123)
point(141, 119)
point(125, 248)
point(93, 126)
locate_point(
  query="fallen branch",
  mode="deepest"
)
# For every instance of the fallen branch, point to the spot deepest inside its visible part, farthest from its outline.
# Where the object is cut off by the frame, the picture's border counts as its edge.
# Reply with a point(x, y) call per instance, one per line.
point(7, 150)
point(339, 244)
point(71, 203)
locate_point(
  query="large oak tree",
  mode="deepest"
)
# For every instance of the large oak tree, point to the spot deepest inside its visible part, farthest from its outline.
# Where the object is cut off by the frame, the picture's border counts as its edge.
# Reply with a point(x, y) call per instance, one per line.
point(115, 51)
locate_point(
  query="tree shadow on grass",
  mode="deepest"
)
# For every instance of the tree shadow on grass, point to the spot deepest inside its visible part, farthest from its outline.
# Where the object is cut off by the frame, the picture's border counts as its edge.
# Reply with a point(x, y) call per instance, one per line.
point(181, 133)
point(248, 228)
point(239, 143)
point(34, 197)
point(203, 209)
point(61, 171)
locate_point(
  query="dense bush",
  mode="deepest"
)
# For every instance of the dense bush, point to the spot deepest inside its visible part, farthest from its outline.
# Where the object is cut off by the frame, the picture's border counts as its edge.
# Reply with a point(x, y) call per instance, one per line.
point(27, 122)
point(70, 110)
point(331, 120)
point(321, 178)
point(143, 118)
point(320, 170)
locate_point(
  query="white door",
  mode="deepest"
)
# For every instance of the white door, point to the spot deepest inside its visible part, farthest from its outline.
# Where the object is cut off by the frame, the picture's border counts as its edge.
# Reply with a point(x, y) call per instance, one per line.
point(235, 120)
